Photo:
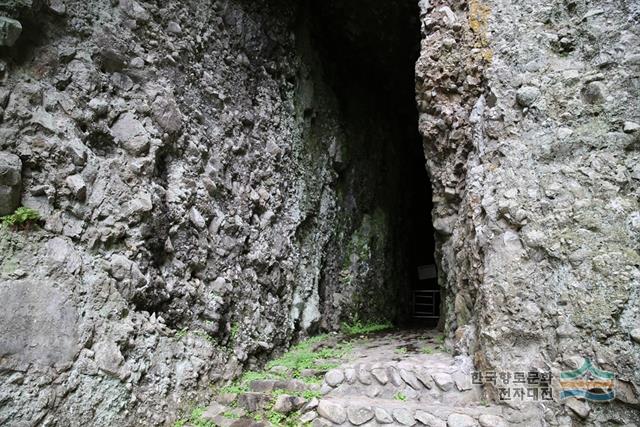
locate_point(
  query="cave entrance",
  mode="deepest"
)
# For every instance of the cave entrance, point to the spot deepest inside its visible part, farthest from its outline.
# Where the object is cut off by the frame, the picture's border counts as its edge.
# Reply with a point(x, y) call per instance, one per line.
point(367, 50)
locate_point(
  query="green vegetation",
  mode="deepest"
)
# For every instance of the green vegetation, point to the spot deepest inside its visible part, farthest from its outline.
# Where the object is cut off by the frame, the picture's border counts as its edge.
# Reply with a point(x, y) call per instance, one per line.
point(440, 339)
point(427, 350)
point(235, 330)
point(305, 355)
point(199, 333)
point(194, 419)
point(401, 350)
point(230, 415)
point(359, 328)
point(22, 217)
point(400, 396)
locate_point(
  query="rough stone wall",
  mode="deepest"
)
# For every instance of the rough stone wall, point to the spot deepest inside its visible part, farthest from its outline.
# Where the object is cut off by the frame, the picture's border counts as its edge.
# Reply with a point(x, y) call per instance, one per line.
point(530, 116)
point(189, 163)
point(184, 210)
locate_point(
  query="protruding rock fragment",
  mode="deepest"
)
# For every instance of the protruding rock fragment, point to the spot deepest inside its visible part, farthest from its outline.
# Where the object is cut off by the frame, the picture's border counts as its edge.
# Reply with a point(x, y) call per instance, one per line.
point(77, 186)
point(10, 182)
point(10, 31)
point(527, 96)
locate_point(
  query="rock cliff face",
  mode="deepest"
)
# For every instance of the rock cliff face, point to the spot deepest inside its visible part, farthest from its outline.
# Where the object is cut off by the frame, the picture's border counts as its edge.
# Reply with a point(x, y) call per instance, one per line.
point(529, 113)
point(219, 178)
point(208, 194)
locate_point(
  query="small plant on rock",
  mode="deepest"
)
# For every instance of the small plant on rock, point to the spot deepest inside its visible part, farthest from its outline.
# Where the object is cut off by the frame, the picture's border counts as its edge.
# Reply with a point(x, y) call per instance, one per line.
point(400, 396)
point(22, 218)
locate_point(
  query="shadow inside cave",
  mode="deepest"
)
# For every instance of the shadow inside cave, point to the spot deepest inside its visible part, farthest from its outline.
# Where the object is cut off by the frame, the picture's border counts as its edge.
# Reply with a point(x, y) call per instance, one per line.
point(368, 51)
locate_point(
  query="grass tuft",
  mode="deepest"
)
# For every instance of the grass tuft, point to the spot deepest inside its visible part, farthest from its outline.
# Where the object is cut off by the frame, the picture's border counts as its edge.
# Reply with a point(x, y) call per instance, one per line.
point(359, 328)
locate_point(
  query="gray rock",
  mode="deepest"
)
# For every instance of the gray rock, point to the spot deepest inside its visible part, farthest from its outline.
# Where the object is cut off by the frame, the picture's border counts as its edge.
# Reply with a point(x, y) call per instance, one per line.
point(286, 404)
point(460, 420)
point(77, 186)
point(320, 422)
point(429, 420)
point(526, 96)
point(10, 31)
point(580, 408)
point(334, 377)
point(364, 376)
point(487, 420)
point(373, 391)
point(382, 416)
point(631, 127)
point(167, 114)
point(45, 334)
point(213, 410)
point(174, 27)
point(380, 375)
point(132, 134)
point(394, 376)
point(443, 381)
point(359, 415)
point(253, 402)
point(462, 380)
point(403, 416)
point(423, 376)
point(311, 405)
point(197, 219)
point(350, 375)
point(308, 417)
point(409, 378)
point(593, 93)
point(108, 357)
point(332, 412)
point(57, 7)
point(635, 335)
point(10, 182)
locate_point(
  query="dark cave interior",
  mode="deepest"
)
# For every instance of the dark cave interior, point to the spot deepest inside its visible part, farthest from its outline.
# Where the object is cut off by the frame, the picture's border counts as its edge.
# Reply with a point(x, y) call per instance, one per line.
point(368, 51)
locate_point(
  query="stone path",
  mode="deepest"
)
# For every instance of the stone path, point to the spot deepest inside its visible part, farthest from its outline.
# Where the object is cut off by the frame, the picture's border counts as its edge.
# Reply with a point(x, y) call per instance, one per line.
point(394, 379)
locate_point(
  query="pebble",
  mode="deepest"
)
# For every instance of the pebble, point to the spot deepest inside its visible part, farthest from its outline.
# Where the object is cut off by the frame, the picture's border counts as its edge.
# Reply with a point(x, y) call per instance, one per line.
point(526, 96)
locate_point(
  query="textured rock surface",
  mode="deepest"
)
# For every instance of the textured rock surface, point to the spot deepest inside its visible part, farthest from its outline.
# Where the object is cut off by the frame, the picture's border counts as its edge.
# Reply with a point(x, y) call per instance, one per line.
point(10, 182)
point(536, 182)
point(206, 200)
point(213, 187)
